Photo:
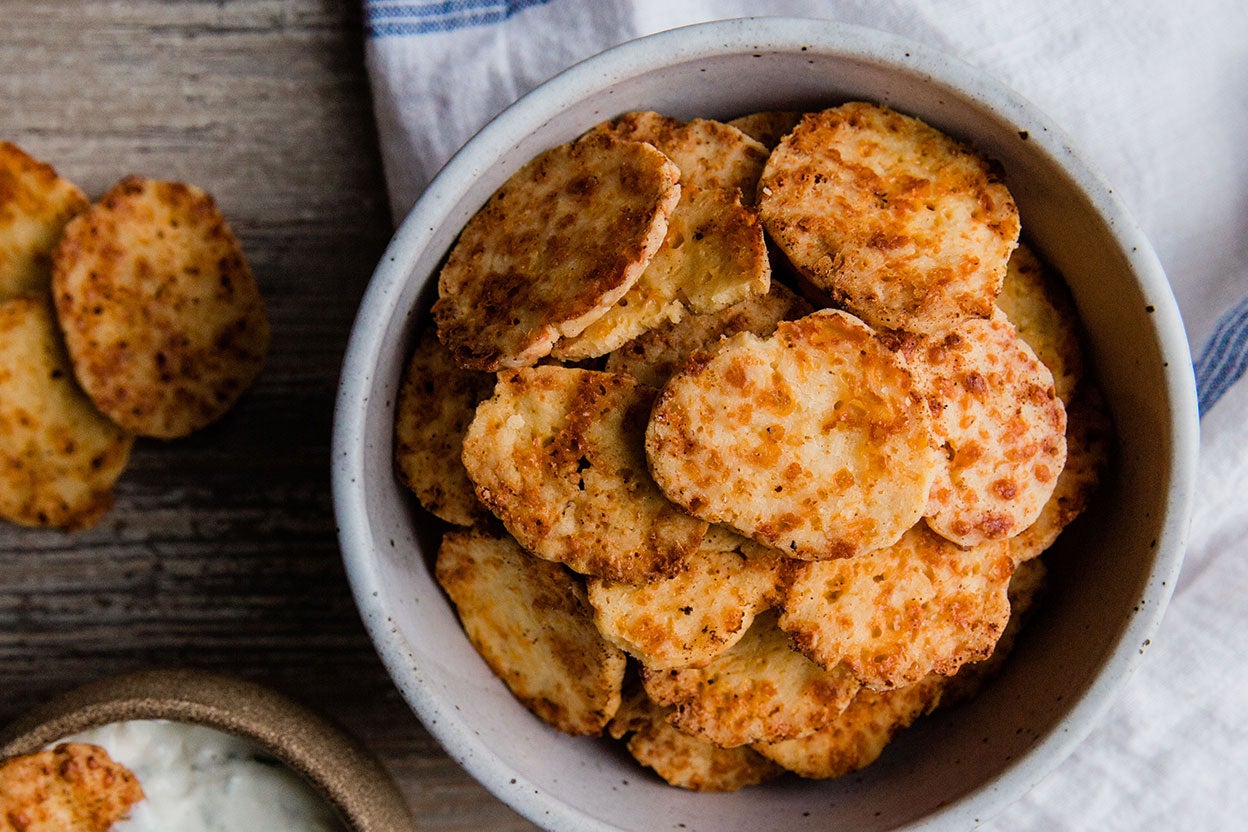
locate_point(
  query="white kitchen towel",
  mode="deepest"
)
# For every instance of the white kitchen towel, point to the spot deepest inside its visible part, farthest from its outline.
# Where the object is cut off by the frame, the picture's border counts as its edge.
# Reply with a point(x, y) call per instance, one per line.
point(1154, 94)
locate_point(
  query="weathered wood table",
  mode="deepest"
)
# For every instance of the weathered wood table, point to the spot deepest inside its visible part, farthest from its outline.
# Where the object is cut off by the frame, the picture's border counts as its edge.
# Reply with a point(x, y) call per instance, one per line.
point(220, 552)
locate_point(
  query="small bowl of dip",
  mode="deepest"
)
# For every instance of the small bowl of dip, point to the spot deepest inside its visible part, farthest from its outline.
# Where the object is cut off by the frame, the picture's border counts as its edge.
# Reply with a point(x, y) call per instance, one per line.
point(213, 752)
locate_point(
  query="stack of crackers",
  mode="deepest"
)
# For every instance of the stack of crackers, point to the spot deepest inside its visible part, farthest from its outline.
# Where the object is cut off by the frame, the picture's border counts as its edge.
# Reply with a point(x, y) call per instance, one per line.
point(134, 316)
point(753, 432)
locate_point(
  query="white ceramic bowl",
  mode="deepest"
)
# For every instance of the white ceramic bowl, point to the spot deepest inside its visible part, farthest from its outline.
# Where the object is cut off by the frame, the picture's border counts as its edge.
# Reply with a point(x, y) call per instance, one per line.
point(1112, 573)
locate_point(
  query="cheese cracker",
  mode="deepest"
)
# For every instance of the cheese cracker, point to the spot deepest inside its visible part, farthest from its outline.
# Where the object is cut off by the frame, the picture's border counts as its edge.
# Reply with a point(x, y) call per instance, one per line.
point(553, 249)
point(163, 319)
point(708, 153)
point(59, 456)
point(1001, 423)
point(1089, 440)
point(693, 616)
point(531, 623)
point(859, 734)
point(1038, 304)
point(713, 256)
point(73, 787)
point(906, 227)
point(767, 127)
point(682, 760)
point(35, 204)
point(437, 400)
point(557, 454)
point(894, 615)
point(655, 356)
point(812, 441)
point(760, 689)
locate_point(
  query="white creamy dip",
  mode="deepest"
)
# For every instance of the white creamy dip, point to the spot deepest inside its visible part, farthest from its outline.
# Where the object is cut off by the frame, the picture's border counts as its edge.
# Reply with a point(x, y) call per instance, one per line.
point(198, 779)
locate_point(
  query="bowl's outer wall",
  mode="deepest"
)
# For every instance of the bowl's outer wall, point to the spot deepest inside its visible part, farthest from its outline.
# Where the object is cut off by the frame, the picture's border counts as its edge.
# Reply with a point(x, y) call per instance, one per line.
point(1113, 571)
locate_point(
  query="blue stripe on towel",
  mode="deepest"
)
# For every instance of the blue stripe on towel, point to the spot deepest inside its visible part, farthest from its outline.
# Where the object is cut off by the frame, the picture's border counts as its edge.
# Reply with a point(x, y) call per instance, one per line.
point(1224, 358)
point(394, 18)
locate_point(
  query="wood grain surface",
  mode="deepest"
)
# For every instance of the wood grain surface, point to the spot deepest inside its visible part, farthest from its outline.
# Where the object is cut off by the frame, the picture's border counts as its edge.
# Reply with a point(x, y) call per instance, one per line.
point(220, 552)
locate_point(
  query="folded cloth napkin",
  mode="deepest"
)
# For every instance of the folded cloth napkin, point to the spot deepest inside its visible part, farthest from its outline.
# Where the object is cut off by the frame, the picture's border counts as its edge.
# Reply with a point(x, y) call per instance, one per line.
point(1155, 95)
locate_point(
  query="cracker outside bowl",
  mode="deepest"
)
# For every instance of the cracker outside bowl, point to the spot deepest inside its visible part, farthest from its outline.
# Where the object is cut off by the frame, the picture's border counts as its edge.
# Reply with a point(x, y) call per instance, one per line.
point(1112, 573)
point(338, 768)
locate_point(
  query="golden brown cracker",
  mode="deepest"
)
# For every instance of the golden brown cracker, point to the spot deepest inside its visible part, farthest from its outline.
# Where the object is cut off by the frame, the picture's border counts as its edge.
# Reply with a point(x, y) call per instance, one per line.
point(856, 737)
point(903, 225)
point(683, 760)
point(73, 787)
point(767, 127)
point(558, 454)
point(712, 257)
point(708, 153)
point(894, 615)
point(163, 319)
point(1037, 302)
point(760, 689)
point(59, 456)
point(1026, 585)
point(1003, 428)
point(530, 621)
point(553, 249)
point(437, 400)
point(812, 441)
point(655, 356)
point(1089, 443)
point(35, 204)
point(693, 616)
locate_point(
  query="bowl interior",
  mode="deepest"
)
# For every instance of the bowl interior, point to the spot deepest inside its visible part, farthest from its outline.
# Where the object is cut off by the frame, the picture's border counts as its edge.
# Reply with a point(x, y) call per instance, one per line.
point(1111, 573)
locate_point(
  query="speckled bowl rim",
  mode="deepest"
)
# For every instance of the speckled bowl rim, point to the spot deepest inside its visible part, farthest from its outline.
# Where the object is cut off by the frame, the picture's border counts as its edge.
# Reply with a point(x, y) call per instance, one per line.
point(350, 779)
point(707, 41)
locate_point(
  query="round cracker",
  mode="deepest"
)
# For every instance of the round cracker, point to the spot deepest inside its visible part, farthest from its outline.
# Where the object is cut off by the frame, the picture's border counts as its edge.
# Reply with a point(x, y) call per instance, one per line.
point(769, 126)
point(712, 257)
point(894, 615)
point(709, 154)
point(1026, 585)
point(59, 456)
point(437, 400)
point(163, 319)
point(553, 249)
point(557, 454)
point(693, 616)
point(714, 254)
point(683, 760)
point(1089, 442)
point(858, 736)
point(71, 787)
point(906, 227)
point(1002, 425)
point(35, 204)
point(655, 356)
point(760, 689)
point(812, 441)
point(1037, 302)
point(531, 623)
